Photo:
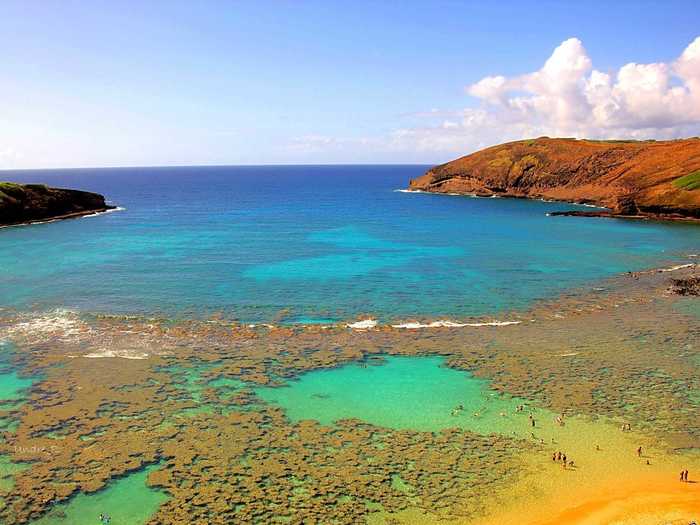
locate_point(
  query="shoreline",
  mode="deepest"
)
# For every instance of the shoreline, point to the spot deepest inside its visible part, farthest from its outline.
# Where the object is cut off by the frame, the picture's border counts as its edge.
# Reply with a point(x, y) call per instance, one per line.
point(611, 215)
point(604, 213)
point(67, 216)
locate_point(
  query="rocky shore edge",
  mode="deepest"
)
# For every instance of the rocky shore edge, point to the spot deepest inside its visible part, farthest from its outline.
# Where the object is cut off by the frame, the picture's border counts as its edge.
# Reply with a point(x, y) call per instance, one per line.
point(635, 216)
point(22, 204)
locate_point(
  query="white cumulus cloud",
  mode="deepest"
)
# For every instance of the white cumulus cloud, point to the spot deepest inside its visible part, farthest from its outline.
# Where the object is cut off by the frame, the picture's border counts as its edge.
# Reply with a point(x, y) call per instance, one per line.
point(566, 97)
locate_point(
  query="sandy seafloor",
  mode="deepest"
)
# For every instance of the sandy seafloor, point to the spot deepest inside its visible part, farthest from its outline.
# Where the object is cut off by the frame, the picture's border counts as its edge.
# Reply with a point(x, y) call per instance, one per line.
point(165, 421)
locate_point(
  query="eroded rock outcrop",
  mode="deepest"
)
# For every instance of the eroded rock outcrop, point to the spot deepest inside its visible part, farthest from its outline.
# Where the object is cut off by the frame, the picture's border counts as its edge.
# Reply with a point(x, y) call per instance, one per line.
point(631, 178)
point(27, 203)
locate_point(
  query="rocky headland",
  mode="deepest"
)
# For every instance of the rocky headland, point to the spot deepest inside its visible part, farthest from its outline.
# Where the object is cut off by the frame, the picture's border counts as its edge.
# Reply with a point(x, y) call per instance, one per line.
point(638, 179)
point(28, 203)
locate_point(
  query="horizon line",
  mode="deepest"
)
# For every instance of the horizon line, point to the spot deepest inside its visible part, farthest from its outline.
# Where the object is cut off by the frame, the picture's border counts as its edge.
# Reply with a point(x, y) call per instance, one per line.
point(176, 166)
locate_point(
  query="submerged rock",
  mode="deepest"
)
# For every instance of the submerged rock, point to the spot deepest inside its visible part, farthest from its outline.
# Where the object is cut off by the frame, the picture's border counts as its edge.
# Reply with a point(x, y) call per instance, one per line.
point(27, 203)
point(686, 286)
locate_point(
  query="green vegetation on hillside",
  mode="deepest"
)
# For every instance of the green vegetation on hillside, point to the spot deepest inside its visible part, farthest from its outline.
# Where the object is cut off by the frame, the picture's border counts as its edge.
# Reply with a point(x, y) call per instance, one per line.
point(688, 182)
point(8, 187)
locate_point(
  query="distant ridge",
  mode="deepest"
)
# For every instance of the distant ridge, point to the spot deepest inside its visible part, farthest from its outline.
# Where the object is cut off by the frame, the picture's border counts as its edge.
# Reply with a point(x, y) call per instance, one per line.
point(650, 179)
point(29, 203)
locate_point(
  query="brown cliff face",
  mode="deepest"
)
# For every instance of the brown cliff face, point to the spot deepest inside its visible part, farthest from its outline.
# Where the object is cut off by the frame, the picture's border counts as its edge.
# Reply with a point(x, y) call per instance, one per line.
point(26, 203)
point(629, 177)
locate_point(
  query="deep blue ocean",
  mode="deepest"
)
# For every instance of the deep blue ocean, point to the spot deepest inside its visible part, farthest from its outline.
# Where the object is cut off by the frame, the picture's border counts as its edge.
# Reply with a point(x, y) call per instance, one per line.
point(311, 244)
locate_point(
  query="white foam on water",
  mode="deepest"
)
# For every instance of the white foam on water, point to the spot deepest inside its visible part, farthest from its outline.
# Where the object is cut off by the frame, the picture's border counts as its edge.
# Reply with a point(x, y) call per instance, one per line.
point(118, 208)
point(450, 324)
point(122, 354)
point(677, 267)
point(589, 205)
point(365, 324)
point(494, 323)
point(47, 221)
point(60, 323)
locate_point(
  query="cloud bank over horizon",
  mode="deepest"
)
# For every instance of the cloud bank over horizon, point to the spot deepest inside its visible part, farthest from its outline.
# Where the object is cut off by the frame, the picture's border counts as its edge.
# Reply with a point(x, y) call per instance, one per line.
point(566, 97)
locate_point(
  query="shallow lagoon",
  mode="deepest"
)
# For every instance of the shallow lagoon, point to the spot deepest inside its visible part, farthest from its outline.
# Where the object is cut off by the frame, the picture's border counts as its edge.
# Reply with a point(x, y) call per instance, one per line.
point(127, 501)
point(12, 385)
point(416, 393)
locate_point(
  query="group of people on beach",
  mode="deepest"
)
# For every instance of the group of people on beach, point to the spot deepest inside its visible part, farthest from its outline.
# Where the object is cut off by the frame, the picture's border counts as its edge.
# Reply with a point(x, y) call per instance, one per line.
point(561, 456)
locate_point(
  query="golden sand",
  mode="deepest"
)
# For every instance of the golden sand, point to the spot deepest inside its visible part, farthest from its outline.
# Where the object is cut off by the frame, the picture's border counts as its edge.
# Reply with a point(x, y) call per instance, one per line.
point(608, 485)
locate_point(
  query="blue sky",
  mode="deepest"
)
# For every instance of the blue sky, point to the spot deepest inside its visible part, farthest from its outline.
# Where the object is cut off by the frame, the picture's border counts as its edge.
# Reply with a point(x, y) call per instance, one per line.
point(167, 83)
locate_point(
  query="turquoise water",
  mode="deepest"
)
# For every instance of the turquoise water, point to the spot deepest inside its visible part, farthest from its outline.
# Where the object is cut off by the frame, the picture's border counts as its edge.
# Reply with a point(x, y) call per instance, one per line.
point(12, 390)
point(417, 393)
point(126, 500)
point(311, 244)
point(12, 385)
point(8, 470)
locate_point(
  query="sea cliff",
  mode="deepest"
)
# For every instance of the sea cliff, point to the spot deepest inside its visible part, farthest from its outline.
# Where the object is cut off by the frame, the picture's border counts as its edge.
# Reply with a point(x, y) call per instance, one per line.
point(651, 179)
point(28, 203)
